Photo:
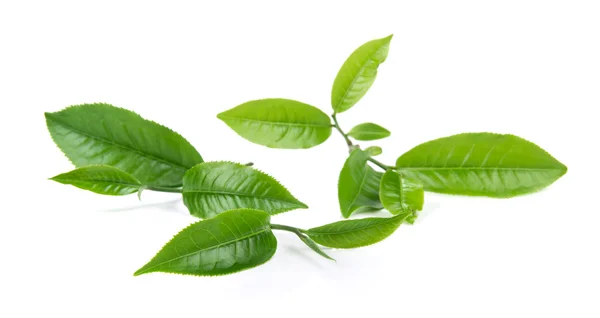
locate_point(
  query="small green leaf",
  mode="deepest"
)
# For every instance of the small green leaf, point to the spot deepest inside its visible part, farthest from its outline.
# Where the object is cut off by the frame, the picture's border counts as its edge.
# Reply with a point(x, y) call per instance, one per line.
point(358, 185)
point(213, 187)
point(101, 134)
point(313, 246)
point(230, 242)
point(279, 123)
point(368, 131)
point(355, 233)
point(100, 179)
point(358, 73)
point(374, 151)
point(481, 164)
point(400, 195)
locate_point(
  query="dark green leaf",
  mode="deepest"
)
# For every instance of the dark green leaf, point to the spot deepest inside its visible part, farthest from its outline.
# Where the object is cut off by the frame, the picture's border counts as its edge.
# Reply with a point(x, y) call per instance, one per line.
point(358, 73)
point(213, 187)
point(368, 131)
point(481, 164)
point(374, 151)
point(400, 195)
point(355, 233)
point(279, 123)
point(100, 179)
point(101, 134)
point(230, 242)
point(358, 185)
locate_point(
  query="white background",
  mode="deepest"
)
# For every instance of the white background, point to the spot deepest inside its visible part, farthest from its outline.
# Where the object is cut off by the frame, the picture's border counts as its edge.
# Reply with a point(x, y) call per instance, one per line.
point(531, 68)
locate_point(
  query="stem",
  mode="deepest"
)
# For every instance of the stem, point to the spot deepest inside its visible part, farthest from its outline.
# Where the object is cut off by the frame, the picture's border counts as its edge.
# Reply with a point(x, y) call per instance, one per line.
point(337, 126)
point(292, 229)
point(164, 189)
point(380, 164)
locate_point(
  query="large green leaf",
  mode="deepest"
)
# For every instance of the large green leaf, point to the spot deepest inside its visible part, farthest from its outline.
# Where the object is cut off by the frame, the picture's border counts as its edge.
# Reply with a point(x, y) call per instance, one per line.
point(368, 131)
point(101, 134)
point(358, 185)
point(400, 195)
point(213, 187)
point(279, 123)
point(355, 233)
point(358, 73)
point(231, 242)
point(100, 179)
point(481, 164)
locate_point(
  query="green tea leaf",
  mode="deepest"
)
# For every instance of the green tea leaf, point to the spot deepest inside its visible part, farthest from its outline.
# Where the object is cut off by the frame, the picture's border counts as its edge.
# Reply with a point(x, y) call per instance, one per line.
point(313, 246)
point(355, 233)
point(368, 131)
point(358, 73)
point(279, 123)
point(481, 164)
point(374, 151)
point(230, 242)
point(100, 179)
point(213, 187)
point(358, 185)
point(101, 134)
point(400, 195)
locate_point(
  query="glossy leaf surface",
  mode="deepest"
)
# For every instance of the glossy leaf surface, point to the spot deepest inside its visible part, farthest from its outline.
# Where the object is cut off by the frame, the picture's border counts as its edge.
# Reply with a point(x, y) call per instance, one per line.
point(213, 187)
point(355, 233)
point(481, 164)
point(368, 131)
point(100, 179)
point(279, 123)
point(358, 73)
point(400, 195)
point(358, 185)
point(101, 134)
point(230, 242)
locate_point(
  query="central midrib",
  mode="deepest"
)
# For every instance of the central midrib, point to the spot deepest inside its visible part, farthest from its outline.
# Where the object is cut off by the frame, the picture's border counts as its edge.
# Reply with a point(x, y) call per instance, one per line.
point(475, 168)
point(119, 145)
point(237, 194)
point(262, 230)
point(354, 229)
point(276, 122)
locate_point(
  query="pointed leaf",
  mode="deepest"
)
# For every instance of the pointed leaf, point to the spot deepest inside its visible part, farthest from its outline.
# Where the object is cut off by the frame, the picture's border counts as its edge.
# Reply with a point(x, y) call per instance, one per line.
point(100, 179)
point(374, 151)
point(213, 187)
point(355, 233)
point(101, 134)
point(358, 185)
point(230, 242)
point(368, 131)
point(279, 123)
point(481, 164)
point(400, 195)
point(313, 246)
point(358, 73)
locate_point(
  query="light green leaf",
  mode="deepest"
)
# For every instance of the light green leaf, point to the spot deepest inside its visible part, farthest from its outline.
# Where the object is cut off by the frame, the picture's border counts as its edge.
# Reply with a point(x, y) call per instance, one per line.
point(279, 123)
point(213, 187)
point(401, 195)
point(358, 185)
point(358, 73)
point(355, 233)
point(481, 164)
point(368, 131)
point(374, 151)
point(230, 242)
point(100, 179)
point(101, 134)
point(313, 246)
